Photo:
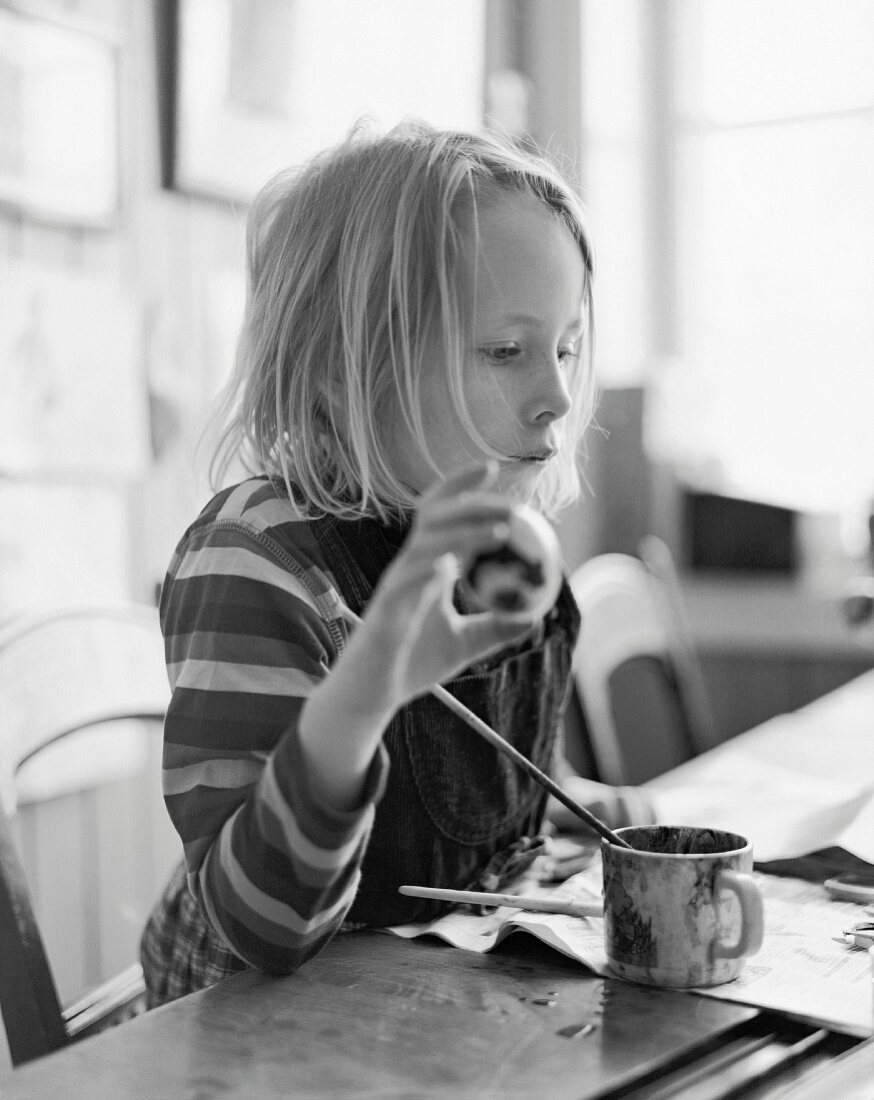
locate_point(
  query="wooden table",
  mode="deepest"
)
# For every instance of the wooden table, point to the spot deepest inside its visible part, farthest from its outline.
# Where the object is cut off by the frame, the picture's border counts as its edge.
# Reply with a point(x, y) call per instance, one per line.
point(376, 1016)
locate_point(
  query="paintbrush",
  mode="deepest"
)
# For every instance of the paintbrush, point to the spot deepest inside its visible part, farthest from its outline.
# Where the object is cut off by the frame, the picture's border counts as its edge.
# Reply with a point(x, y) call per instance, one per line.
point(512, 901)
point(486, 731)
point(495, 739)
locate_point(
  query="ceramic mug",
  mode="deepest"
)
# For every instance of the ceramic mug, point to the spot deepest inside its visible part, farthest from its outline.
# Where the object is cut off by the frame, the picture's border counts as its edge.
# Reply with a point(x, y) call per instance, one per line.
point(681, 908)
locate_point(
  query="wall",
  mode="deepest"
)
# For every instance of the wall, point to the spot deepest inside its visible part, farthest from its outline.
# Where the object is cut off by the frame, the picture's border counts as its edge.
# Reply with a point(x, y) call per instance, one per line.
point(173, 253)
point(96, 859)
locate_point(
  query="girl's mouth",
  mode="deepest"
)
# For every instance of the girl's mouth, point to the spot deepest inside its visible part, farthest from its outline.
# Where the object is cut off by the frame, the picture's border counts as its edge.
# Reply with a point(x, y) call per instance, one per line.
point(536, 458)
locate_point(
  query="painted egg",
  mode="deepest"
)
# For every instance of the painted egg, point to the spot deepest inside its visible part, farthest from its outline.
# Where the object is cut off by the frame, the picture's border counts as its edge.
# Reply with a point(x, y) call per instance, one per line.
point(520, 579)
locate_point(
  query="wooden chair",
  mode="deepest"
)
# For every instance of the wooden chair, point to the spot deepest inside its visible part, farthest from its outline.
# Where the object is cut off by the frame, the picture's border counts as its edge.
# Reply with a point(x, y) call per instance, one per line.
point(640, 688)
point(66, 676)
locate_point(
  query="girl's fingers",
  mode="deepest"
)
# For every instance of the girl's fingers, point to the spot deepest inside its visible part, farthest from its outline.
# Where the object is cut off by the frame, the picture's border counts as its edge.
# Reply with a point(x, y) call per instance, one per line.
point(481, 635)
point(436, 590)
point(464, 481)
point(461, 538)
point(460, 516)
point(457, 520)
point(443, 550)
point(465, 508)
point(412, 612)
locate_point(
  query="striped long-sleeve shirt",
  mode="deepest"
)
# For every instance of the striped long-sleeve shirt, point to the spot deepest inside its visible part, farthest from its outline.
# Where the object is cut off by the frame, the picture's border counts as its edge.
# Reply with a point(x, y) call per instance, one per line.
point(251, 625)
point(251, 620)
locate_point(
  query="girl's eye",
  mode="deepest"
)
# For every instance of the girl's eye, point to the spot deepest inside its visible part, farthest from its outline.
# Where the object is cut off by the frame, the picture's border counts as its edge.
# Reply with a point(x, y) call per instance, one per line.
point(500, 353)
point(568, 354)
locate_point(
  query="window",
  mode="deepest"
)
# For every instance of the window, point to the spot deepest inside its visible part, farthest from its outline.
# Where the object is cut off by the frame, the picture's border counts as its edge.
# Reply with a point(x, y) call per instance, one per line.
point(732, 185)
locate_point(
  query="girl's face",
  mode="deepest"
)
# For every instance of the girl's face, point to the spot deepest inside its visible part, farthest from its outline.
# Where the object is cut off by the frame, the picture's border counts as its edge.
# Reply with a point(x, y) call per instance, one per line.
point(525, 276)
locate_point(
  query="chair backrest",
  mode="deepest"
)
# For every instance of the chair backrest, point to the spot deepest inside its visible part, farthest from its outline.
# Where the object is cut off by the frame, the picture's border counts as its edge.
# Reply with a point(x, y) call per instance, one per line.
point(66, 677)
point(635, 670)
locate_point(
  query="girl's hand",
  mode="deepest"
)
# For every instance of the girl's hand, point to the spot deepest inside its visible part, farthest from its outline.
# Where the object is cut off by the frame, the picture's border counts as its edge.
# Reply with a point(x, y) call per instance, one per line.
point(411, 636)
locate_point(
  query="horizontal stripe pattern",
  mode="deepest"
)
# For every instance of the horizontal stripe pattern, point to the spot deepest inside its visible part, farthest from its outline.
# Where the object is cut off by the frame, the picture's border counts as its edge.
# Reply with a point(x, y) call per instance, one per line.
point(206, 675)
point(249, 617)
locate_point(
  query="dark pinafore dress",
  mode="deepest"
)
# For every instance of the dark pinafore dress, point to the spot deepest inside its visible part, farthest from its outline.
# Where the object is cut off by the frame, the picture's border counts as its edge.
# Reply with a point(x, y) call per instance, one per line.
point(456, 813)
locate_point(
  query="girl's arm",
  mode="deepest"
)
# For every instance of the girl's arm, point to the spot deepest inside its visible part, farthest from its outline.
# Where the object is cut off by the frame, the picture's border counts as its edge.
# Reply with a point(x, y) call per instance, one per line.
point(273, 758)
point(274, 866)
point(411, 636)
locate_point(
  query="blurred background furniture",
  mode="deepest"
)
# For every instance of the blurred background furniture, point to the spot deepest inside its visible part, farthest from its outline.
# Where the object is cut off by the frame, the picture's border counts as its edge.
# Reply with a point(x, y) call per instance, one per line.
point(84, 843)
point(639, 686)
point(859, 601)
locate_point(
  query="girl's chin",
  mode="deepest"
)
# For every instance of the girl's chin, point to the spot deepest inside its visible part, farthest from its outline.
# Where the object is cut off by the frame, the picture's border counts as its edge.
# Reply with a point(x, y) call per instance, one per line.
point(519, 481)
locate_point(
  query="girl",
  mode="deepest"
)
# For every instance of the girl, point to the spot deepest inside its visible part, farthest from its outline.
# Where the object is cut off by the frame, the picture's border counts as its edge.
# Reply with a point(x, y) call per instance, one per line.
point(414, 359)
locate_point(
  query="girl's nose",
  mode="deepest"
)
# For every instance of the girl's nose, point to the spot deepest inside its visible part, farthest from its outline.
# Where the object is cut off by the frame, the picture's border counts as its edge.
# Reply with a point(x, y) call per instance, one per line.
point(551, 399)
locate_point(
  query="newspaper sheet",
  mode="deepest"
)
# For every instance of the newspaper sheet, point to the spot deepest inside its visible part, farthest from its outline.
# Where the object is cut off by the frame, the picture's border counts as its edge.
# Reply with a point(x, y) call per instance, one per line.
point(785, 812)
point(801, 970)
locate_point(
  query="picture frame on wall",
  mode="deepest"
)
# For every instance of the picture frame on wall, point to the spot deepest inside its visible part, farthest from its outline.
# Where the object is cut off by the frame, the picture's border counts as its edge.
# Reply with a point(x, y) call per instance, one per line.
point(59, 120)
point(248, 89)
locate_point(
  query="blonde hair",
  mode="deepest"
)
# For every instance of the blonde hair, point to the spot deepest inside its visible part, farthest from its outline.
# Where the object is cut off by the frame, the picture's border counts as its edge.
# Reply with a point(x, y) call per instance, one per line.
point(353, 269)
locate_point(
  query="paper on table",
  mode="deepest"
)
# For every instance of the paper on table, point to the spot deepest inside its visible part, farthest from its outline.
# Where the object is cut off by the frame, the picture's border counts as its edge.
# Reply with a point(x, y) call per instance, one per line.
point(784, 813)
point(800, 969)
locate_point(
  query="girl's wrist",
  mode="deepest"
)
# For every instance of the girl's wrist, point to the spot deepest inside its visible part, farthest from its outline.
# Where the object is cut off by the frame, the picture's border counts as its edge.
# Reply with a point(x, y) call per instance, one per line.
point(339, 735)
point(364, 674)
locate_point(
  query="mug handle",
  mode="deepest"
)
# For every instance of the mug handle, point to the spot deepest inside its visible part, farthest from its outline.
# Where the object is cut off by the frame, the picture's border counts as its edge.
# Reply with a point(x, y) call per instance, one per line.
point(752, 928)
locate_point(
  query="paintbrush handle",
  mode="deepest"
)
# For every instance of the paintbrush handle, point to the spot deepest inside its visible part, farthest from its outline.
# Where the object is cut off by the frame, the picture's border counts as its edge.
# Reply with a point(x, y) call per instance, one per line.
point(513, 901)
